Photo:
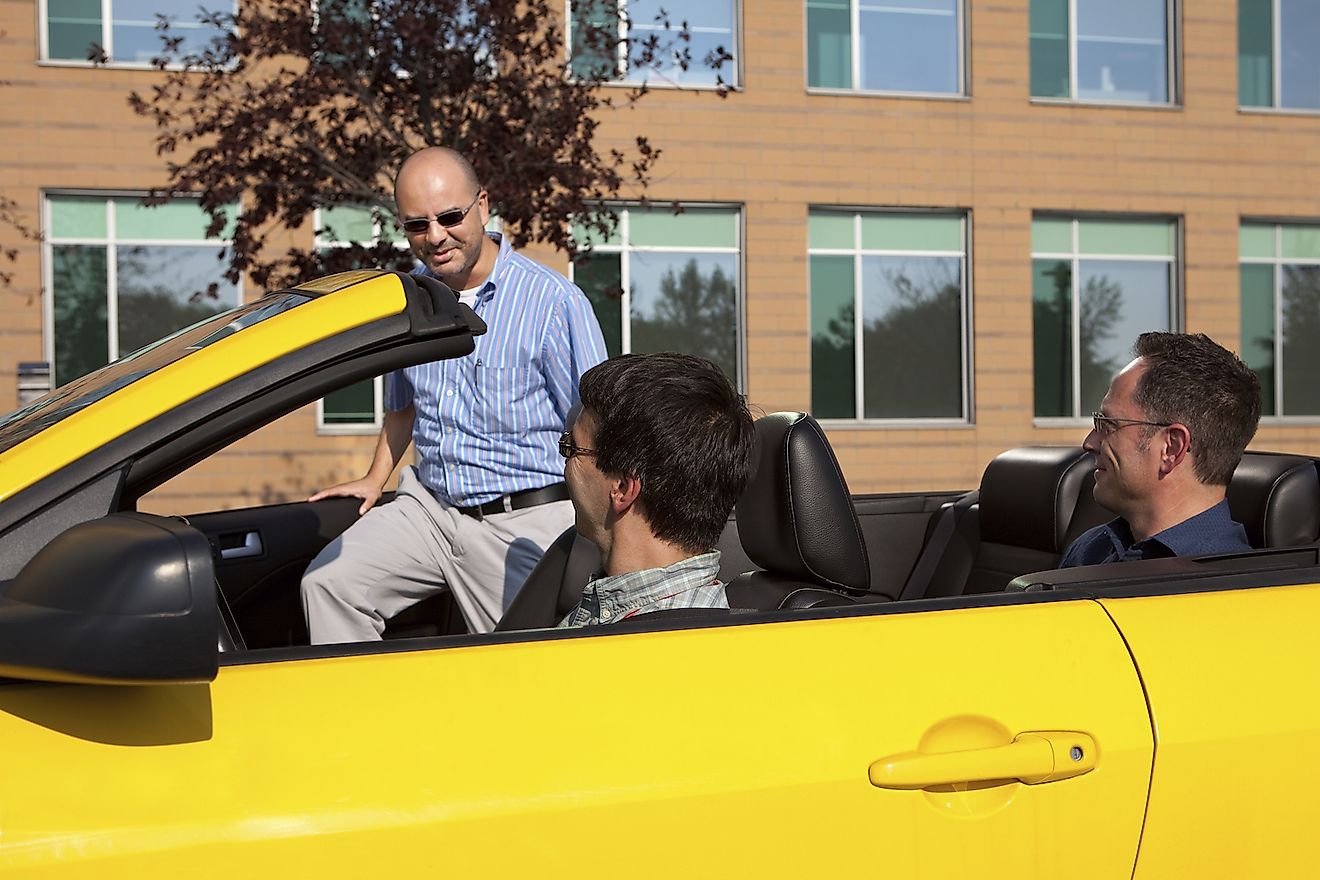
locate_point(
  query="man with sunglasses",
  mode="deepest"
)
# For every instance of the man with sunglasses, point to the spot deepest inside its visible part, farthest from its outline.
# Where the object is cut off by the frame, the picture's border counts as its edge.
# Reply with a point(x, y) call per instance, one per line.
point(1168, 436)
point(486, 495)
point(654, 462)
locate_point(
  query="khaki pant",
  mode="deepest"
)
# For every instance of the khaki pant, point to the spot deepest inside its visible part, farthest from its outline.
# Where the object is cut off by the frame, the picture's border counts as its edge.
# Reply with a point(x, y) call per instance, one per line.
point(400, 553)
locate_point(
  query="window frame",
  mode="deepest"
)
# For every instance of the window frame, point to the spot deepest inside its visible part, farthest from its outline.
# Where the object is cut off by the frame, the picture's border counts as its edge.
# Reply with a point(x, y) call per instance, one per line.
point(1172, 65)
point(735, 68)
point(49, 241)
point(623, 247)
point(1177, 284)
point(1277, 262)
point(107, 37)
point(963, 43)
point(1276, 80)
point(966, 314)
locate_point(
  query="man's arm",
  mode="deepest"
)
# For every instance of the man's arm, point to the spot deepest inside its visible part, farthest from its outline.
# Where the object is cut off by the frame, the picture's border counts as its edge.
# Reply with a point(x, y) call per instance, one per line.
point(395, 435)
point(574, 344)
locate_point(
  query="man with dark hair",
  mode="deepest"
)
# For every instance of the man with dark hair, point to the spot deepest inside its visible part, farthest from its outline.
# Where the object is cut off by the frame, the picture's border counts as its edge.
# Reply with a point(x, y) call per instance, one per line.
point(1169, 434)
point(655, 459)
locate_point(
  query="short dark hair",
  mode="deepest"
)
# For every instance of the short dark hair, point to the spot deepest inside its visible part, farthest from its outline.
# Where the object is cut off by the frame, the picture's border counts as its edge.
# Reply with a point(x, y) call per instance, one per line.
point(1191, 379)
point(676, 423)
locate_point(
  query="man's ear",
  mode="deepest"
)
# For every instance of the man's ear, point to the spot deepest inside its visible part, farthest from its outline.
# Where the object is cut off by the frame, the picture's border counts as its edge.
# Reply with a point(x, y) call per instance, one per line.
point(623, 493)
point(1177, 443)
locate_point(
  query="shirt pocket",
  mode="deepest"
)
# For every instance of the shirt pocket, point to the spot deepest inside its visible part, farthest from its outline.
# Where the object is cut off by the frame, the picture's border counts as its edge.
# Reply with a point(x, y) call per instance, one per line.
point(504, 394)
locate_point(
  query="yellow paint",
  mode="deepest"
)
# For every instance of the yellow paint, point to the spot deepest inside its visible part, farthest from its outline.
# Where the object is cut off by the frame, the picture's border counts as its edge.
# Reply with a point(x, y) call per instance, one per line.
point(1231, 678)
point(374, 297)
point(737, 751)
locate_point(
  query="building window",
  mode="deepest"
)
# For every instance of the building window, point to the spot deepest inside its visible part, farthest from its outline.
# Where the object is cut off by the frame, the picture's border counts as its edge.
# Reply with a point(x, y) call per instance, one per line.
point(124, 29)
point(905, 274)
point(1280, 301)
point(668, 282)
point(609, 39)
point(122, 276)
point(355, 408)
point(1118, 51)
point(909, 46)
point(1097, 284)
point(1277, 61)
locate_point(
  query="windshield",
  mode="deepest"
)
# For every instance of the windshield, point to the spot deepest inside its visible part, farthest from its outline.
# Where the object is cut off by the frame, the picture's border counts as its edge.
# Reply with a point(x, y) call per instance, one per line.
point(81, 393)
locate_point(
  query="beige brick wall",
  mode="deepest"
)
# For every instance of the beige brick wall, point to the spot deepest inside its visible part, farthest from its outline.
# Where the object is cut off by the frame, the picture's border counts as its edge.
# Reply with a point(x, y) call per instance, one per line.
point(776, 150)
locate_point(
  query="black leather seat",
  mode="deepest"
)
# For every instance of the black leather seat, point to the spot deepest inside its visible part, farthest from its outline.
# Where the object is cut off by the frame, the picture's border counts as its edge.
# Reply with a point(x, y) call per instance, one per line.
point(797, 523)
point(1277, 499)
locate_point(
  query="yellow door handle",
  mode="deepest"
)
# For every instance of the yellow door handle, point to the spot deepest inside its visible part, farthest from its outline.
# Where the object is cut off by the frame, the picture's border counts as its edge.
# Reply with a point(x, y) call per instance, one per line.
point(1033, 757)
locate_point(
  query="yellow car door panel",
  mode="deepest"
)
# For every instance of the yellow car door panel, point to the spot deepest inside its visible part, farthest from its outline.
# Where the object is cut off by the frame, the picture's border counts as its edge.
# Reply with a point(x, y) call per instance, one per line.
point(711, 751)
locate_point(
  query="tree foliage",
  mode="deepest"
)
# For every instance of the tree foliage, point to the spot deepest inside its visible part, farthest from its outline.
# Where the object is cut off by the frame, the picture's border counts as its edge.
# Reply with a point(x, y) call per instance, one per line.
point(303, 105)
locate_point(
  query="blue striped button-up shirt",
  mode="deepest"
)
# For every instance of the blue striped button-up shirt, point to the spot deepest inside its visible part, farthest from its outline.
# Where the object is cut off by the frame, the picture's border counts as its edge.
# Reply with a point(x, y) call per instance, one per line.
point(488, 424)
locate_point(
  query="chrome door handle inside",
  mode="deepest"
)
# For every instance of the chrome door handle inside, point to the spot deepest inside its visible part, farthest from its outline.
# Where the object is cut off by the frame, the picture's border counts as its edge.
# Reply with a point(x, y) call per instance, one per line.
point(1032, 757)
point(251, 545)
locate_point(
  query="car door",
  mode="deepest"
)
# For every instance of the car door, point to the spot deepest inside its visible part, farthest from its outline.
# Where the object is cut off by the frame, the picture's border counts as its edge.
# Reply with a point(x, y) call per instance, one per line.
point(709, 751)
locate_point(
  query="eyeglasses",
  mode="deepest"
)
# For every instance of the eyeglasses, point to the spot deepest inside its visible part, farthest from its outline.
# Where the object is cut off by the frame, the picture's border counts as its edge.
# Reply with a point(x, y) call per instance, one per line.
point(1106, 425)
point(568, 450)
point(419, 225)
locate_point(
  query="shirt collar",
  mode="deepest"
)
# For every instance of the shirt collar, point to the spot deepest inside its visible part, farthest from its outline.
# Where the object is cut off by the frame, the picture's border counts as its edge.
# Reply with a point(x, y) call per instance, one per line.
point(635, 589)
point(491, 284)
point(1187, 538)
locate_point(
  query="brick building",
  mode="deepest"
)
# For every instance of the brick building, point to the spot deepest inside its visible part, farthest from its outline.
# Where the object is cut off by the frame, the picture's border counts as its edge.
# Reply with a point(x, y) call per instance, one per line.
point(1006, 192)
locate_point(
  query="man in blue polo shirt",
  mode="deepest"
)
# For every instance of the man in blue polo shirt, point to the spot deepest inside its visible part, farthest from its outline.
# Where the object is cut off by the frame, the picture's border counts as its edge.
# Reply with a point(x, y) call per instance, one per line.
point(1169, 434)
point(487, 494)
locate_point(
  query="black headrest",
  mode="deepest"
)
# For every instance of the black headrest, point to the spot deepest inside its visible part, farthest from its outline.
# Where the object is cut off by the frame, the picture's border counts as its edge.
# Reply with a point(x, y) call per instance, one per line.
point(796, 517)
point(1029, 495)
point(1277, 499)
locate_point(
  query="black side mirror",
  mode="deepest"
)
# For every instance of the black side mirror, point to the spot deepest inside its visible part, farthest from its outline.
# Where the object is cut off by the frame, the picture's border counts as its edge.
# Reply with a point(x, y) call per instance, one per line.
point(126, 599)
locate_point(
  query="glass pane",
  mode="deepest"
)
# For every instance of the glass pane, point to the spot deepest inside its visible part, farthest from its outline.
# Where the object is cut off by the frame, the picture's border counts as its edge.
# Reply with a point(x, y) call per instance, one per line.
point(347, 223)
point(1119, 301)
point(601, 278)
point(78, 300)
point(709, 25)
point(134, 28)
point(833, 339)
point(1049, 48)
point(1051, 331)
point(687, 303)
point(1126, 237)
point(912, 232)
point(1122, 50)
point(72, 27)
point(1256, 240)
point(1300, 242)
point(1301, 340)
point(694, 227)
point(77, 217)
point(912, 337)
point(585, 236)
point(595, 39)
point(1255, 50)
point(1299, 63)
point(164, 288)
point(830, 229)
point(910, 46)
point(179, 220)
point(1051, 235)
point(1258, 329)
point(354, 405)
point(829, 44)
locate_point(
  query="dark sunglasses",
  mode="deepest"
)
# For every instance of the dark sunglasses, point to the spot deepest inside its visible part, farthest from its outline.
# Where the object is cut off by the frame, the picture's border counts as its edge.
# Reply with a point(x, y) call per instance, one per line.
point(418, 225)
point(568, 450)
point(1106, 425)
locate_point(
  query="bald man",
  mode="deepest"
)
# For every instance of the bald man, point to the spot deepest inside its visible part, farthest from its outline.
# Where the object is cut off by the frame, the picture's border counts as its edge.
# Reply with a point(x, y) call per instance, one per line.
point(486, 495)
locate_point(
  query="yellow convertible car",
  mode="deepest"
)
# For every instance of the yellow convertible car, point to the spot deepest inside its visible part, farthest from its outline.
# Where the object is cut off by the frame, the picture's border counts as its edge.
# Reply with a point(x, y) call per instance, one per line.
point(905, 687)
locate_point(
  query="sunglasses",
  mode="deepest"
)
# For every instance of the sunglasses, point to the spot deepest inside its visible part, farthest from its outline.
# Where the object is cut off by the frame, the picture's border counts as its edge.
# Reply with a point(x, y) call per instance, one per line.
point(568, 450)
point(419, 225)
point(1106, 425)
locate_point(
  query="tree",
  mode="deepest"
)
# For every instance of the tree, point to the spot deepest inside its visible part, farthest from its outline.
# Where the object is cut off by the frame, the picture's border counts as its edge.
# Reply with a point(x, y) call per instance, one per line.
point(303, 105)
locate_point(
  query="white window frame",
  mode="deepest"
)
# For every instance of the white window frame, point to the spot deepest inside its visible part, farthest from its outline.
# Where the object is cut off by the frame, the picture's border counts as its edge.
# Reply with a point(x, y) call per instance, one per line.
point(854, 43)
point(1172, 54)
point(107, 41)
point(624, 72)
point(1074, 259)
point(857, 252)
point(111, 243)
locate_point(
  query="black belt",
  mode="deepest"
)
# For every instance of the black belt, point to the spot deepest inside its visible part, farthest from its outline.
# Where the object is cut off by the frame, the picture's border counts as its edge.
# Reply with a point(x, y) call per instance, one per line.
point(517, 501)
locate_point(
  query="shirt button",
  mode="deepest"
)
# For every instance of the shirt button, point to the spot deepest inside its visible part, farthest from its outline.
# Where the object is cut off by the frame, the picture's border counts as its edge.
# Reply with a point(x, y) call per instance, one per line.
point(605, 614)
point(449, 393)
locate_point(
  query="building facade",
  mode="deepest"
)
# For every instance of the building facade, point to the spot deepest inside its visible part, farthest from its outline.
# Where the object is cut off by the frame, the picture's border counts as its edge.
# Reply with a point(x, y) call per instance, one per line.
point(938, 225)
